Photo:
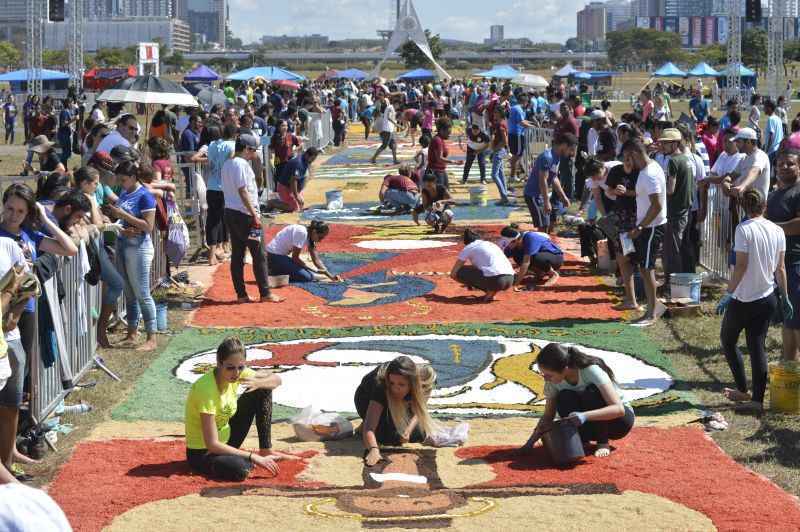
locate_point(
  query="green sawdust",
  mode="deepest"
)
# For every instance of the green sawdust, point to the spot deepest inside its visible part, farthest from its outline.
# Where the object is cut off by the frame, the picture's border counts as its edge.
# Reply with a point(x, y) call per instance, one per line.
point(159, 395)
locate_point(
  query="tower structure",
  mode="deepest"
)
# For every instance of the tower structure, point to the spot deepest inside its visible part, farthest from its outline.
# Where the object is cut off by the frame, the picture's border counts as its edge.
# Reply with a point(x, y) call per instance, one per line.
point(734, 78)
point(34, 42)
point(75, 44)
point(777, 14)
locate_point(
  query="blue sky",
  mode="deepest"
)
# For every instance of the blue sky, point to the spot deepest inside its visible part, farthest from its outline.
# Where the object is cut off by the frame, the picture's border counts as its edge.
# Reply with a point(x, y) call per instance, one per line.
point(538, 20)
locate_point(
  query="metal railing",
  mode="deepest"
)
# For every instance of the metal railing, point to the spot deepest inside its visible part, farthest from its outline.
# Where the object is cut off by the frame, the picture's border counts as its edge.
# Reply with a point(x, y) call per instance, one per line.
point(537, 139)
point(319, 130)
point(716, 234)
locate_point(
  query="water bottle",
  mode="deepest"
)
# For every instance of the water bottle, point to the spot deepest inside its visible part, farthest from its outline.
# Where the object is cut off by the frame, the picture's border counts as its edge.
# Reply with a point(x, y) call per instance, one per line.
point(81, 408)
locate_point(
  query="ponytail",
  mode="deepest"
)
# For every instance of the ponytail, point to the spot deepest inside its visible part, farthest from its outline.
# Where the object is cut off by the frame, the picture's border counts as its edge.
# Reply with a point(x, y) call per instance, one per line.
point(320, 228)
point(557, 357)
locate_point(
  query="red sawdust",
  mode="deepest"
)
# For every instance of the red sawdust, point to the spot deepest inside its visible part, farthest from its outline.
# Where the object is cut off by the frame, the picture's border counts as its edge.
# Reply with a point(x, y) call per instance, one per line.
point(290, 355)
point(577, 295)
point(105, 479)
point(683, 465)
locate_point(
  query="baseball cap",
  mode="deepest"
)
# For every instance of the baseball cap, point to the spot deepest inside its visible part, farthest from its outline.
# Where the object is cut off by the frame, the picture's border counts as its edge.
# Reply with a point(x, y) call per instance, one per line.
point(122, 153)
point(670, 135)
point(102, 161)
point(746, 133)
point(249, 141)
point(597, 114)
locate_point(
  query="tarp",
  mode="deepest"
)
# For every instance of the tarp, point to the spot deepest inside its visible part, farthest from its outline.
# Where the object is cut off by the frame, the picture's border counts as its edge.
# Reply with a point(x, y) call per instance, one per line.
point(565, 71)
point(530, 80)
point(351, 73)
point(703, 70)
point(202, 73)
point(22, 75)
point(669, 70)
point(500, 72)
point(743, 72)
point(269, 73)
point(420, 73)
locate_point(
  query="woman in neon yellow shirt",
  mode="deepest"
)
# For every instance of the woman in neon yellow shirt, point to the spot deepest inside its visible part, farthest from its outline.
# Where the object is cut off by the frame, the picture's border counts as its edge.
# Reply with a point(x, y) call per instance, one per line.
point(217, 422)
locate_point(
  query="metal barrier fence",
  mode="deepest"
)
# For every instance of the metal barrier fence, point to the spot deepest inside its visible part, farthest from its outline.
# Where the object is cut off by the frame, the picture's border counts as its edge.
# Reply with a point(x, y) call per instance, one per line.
point(319, 130)
point(537, 139)
point(716, 234)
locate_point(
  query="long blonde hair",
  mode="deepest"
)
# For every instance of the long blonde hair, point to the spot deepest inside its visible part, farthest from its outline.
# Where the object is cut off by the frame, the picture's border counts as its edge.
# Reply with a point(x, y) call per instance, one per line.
point(421, 381)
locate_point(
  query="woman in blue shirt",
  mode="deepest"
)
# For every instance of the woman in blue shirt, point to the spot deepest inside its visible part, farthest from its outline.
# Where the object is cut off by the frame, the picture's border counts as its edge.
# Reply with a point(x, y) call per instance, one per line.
point(532, 251)
point(136, 210)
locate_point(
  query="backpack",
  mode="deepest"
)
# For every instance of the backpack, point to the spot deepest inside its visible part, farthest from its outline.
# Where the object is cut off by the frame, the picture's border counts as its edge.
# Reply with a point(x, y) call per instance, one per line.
point(177, 242)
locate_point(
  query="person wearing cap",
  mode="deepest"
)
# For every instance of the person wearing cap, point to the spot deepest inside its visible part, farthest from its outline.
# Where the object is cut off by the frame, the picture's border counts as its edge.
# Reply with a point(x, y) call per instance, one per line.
point(292, 180)
point(680, 190)
point(754, 170)
point(124, 135)
point(482, 265)
point(48, 160)
point(242, 218)
point(651, 216)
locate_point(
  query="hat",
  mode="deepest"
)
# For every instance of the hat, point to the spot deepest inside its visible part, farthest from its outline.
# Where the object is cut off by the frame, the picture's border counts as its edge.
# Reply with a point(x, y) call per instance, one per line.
point(122, 153)
point(249, 141)
point(102, 161)
point(40, 144)
point(597, 114)
point(670, 135)
point(746, 133)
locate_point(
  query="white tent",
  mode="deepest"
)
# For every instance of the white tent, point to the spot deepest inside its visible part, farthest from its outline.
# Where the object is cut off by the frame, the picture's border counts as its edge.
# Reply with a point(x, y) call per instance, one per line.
point(408, 28)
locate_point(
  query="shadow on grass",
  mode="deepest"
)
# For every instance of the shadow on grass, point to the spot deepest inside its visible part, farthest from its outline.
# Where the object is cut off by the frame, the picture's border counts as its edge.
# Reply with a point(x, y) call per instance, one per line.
point(784, 443)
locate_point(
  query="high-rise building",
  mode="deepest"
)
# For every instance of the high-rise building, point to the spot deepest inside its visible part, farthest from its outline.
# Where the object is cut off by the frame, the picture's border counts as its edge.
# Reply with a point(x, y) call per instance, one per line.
point(592, 22)
point(619, 13)
point(121, 33)
point(13, 14)
point(496, 33)
point(208, 19)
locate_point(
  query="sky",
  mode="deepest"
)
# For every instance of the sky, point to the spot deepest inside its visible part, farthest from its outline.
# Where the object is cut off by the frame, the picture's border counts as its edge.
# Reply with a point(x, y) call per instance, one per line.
point(469, 20)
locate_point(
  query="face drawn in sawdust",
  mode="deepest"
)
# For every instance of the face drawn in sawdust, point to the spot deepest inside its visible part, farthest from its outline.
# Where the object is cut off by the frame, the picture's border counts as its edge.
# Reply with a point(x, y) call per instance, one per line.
point(476, 375)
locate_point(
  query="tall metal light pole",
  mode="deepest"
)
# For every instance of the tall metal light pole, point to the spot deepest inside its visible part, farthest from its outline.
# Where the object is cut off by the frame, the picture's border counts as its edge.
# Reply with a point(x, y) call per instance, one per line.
point(734, 80)
point(777, 13)
point(75, 43)
point(37, 15)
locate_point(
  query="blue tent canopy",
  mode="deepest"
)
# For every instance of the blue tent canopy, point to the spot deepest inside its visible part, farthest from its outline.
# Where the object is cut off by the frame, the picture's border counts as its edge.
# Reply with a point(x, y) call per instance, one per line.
point(703, 70)
point(743, 72)
point(270, 73)
point(351, 73)
point(22, 75)
point(669, 70)
point(500, 72)
point(581, 75)
point(419, 73)
point(202, 73)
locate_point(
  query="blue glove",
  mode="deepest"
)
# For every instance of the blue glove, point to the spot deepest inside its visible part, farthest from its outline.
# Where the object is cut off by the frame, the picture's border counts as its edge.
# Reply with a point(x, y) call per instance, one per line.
point(723, 303)
point(577, 418)
point(788, 309)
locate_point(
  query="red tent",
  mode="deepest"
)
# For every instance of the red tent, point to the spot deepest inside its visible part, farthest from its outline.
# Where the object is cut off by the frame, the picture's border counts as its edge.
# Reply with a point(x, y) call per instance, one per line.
point(99, 79)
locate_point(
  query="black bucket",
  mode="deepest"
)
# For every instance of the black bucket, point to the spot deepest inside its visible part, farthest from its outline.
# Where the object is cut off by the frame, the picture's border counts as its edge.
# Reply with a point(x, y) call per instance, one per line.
point(563, 443)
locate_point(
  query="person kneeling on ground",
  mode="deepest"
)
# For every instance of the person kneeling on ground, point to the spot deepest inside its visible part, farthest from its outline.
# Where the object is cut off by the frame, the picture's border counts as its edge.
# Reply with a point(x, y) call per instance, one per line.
point(217, 422)
point(489, 269)
point(392, 400)
point(292, 180)
point(435, 202)
point(532, 251)
point(581, 388)
point(399, 194)
point(291, 240)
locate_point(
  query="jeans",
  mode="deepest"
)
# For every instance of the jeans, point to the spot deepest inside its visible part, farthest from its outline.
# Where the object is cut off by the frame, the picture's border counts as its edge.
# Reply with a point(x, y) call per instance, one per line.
point(497, 173)
point(471, 156)
point(113, 283)
point(65, 141)
point(754, 318)
point(401, 198)
point(239, 224)
point(10, 132)
point(284, 265)
point(134, 259)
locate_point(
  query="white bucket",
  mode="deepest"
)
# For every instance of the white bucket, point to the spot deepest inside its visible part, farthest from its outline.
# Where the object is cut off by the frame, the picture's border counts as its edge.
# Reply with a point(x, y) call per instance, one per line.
point(479, 196)
point(334, 200)
point(278, 281)
point(685, 286)
point(603, 256)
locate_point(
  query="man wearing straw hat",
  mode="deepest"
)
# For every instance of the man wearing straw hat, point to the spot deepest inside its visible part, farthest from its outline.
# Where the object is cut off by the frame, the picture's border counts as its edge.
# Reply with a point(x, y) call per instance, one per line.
point(680, 190)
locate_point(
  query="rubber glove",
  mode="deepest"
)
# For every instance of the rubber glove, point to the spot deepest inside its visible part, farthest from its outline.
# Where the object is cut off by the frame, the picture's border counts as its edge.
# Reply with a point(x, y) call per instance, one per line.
point(577, 418)
point(723, 303)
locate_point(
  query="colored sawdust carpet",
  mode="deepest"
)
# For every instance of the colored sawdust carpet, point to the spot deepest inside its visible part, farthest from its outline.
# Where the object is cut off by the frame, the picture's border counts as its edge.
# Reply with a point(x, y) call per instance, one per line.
point(366, 211)
point(482, 369)
point(657, 479)
point(409, 285)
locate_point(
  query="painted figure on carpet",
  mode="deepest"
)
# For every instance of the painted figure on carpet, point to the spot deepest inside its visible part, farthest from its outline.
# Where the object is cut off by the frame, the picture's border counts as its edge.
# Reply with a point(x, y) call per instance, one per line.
point(581, 389)
point(482, 265)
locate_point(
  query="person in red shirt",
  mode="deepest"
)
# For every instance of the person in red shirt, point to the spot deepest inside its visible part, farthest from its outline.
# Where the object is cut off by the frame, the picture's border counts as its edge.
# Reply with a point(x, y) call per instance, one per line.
point(438, 152)
point(399, 193)
point(567, 123)
point(710, 138)
point(282, 145)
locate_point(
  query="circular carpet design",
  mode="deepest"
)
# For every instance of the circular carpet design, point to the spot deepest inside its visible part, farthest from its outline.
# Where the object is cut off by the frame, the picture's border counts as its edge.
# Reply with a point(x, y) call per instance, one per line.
point(403, 244)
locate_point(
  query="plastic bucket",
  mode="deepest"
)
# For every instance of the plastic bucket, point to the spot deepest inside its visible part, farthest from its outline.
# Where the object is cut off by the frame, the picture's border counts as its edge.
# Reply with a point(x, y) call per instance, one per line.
point(784, 387)
point(685, 285)
point(479, 196)
point(563, 443)
point(278, 281)
point(161, 317)
point(334, 200)
point(603, 256)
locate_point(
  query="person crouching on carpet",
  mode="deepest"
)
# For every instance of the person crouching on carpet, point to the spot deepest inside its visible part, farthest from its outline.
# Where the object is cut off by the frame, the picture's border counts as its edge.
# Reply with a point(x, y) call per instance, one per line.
point(534, 252)
point(399, 194)
point(435, 201)
point(581, 388)
point(392, 400)
point(290, 241)
point(217, 422)
point(488, 270)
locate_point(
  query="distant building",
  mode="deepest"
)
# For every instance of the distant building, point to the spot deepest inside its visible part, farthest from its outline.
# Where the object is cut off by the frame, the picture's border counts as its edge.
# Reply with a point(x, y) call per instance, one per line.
point(592, 23)
point(208, 18)
point(13, 14)
point(307, 42)
point(496, 34)
point(173, 33)
point(619, 14)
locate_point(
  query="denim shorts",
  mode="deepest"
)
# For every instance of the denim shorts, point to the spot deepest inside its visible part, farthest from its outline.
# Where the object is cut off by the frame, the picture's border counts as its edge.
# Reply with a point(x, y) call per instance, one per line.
point(793, 285)
point(11, 394)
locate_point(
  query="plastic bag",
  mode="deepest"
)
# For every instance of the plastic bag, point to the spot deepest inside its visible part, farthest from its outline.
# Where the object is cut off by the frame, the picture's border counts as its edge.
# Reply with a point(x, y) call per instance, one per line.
point(450, 436)
point(177, 235)
point(313, 425)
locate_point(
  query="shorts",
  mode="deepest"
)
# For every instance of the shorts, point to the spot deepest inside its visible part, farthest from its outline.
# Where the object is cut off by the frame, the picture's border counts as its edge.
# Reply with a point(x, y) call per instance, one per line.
point(536, 208)
point(11, 393)
point(793, 284)
point(285, 195)
point(516, 145)
point(647, 247)
point(387, 139)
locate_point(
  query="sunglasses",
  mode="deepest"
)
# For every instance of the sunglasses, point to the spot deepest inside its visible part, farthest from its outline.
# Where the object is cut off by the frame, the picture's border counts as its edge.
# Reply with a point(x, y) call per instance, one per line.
point(235, 368)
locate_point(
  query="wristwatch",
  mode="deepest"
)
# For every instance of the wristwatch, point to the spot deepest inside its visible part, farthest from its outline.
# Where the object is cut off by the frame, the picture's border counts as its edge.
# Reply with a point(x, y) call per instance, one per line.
point(639, 228)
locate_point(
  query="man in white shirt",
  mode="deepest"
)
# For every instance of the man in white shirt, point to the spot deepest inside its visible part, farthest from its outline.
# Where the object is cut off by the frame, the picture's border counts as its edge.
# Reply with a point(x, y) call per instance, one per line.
point(489, 270)
point(97, 113)
point(651, 217)
point(388, 127)
point(754, 170)
point(243, 219)
point(125, 134)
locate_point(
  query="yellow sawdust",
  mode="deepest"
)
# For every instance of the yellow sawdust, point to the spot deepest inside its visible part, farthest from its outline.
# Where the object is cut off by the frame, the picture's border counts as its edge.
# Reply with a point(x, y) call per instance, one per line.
point(631, 511)
point(518, 369)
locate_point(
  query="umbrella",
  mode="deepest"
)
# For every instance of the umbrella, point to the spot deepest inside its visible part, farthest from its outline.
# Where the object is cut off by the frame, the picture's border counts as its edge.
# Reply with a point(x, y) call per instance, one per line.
point(530, 80)
point(209, 97)
point(286, 84)
point(149, 90)
point(271, 73)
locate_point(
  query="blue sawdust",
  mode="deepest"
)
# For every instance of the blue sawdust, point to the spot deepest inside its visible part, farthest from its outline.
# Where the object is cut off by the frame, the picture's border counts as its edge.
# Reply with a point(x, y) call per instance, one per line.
point(363, 154)
point(361, 211)
point(397, 288)
point(456, 362)
point(341, 263)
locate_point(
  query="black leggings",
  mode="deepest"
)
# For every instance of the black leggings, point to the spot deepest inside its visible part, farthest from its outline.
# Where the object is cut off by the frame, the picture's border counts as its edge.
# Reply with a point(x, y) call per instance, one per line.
point(216, 232)
point(252, 406)
point(473, 277)
point(590, 398)
point(754, 317)
point(544, 261)
point(386, 433)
